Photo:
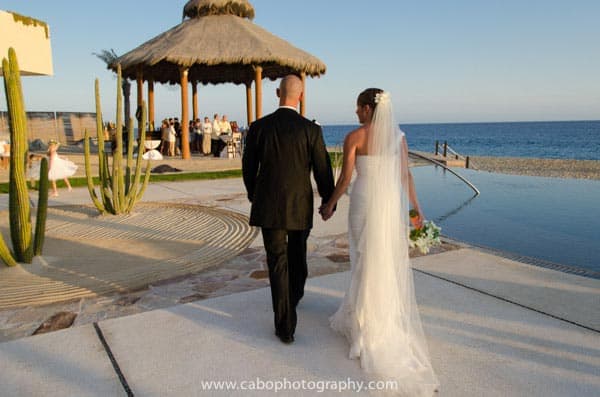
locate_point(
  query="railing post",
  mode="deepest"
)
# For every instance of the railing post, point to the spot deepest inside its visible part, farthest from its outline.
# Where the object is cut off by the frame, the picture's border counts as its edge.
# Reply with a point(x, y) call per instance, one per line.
point(437, 147)
point(445, 148)
point(467, 162)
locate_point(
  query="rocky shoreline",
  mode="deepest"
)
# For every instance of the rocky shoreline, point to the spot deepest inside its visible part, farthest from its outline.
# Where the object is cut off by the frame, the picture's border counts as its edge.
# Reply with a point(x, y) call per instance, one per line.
point(556, 168)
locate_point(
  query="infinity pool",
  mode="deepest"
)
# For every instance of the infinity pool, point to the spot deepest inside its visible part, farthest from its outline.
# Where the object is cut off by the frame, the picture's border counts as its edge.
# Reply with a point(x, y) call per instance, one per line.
point(553, 219)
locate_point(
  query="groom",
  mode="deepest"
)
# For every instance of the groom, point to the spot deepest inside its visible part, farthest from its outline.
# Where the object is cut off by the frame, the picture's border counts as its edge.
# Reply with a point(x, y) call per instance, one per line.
point(281, 150)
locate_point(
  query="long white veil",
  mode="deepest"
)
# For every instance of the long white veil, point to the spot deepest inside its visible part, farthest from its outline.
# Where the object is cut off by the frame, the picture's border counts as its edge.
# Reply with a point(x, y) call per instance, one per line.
point(393, 342)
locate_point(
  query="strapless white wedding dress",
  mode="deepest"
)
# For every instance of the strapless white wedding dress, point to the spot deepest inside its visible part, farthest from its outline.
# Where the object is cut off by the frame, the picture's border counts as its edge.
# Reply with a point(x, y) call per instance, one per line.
point(378, 314)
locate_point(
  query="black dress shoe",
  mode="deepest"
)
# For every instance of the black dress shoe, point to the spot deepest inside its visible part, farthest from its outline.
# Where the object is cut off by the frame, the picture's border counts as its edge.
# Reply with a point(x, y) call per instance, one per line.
point(287, 339)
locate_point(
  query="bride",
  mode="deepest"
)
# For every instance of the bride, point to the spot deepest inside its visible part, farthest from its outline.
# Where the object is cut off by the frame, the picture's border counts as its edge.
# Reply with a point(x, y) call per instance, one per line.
point(378, 314)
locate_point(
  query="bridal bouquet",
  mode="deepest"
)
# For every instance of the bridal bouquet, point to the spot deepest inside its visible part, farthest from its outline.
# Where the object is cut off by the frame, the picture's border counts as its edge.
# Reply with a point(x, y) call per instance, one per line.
point(425, 237)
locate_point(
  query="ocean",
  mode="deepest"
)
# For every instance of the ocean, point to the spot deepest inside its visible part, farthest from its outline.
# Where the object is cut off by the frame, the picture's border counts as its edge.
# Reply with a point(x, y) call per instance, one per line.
point(578, 140)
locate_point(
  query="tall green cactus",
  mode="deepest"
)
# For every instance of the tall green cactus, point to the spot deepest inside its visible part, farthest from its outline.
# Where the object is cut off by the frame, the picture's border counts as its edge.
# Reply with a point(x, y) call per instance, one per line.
point(118, 191)
point(42, 209)
point(18, 199)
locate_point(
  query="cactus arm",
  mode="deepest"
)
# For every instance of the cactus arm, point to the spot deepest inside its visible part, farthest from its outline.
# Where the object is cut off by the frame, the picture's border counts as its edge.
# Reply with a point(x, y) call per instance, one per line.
point(88, 173)
point(102, 157)
point(127, 180)
point(5, 253)
point(118, 150)
point(105, 185)
point(20, 215)
point(145, 184)
point(103, 174)
point(133, 195)
point(130, 142)
point(42, 209)
point(117, 175)
point(115, 169)
point(99, 124)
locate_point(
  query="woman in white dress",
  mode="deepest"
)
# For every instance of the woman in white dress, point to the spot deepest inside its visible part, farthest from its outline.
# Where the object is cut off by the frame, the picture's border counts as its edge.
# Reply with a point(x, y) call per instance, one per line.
point(378, 314)
point(58, 168)
point(172, 138)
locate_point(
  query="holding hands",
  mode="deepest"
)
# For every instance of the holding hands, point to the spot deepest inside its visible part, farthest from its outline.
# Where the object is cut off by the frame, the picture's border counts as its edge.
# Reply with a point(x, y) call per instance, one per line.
point(326, 211)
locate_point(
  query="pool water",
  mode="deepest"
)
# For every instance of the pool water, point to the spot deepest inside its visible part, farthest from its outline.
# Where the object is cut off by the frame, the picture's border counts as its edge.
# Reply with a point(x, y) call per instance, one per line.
point(553, 219)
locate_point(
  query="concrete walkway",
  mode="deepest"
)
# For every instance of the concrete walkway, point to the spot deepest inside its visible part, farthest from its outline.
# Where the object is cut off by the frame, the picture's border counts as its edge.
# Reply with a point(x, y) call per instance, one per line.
point(495, 327)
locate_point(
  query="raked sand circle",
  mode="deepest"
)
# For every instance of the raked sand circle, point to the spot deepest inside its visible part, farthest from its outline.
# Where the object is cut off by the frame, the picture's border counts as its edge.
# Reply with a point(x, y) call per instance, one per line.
point(87, 254)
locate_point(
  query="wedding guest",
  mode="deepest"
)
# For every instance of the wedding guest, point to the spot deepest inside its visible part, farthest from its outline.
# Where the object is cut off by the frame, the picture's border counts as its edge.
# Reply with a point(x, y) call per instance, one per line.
point(225, 126)
point(237, 138)
point(172, 138)
point(206, 136)
point(216, 132)
point(191, 135)
point(164, 137)
point(197, 128)
point(177, 127)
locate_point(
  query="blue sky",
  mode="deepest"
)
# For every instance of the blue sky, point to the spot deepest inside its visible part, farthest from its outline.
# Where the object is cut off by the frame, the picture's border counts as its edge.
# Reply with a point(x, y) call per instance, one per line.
point(442, 61)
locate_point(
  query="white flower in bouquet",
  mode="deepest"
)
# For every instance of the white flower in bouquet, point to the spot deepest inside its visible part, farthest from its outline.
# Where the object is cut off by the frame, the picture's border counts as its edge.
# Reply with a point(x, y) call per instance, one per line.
point(425, 237)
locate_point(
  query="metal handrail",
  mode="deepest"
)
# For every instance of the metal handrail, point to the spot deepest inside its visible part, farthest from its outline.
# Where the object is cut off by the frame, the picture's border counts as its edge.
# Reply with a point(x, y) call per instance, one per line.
point(462, 178)
point(458, 156)
point(454, 152)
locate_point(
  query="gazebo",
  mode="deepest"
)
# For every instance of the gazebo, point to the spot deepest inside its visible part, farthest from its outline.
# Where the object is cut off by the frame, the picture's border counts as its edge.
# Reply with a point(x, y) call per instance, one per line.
point(216, 42)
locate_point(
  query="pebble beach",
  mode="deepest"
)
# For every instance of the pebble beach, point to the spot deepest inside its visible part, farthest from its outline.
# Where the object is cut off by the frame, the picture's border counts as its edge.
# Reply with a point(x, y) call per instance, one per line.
point(556, 168)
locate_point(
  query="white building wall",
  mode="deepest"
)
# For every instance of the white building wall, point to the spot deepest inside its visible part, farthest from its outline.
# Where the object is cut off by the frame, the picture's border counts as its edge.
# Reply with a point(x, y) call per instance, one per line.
point(31, 40)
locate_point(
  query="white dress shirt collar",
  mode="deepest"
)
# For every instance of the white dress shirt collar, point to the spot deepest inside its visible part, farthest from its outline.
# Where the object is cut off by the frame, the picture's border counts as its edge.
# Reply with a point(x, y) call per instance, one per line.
point(288, 107)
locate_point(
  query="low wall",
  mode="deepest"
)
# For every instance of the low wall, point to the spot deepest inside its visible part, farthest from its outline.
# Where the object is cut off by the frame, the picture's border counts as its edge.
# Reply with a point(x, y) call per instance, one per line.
point(65, 127)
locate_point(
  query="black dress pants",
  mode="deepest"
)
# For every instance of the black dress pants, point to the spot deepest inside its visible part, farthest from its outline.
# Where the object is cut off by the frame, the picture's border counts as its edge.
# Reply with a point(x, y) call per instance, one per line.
point(214, 146)
point(286, 259)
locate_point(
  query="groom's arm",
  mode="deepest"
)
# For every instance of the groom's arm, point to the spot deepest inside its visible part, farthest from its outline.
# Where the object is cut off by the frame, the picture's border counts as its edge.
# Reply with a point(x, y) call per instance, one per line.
point(322, 170)
point(250, 161)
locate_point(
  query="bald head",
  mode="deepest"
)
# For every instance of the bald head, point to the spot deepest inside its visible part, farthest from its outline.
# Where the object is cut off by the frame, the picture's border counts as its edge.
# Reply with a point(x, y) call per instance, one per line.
point(290, 91)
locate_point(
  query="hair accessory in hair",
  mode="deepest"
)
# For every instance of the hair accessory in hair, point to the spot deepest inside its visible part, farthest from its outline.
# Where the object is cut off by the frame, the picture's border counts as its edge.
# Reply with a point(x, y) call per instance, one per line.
point(382, 97)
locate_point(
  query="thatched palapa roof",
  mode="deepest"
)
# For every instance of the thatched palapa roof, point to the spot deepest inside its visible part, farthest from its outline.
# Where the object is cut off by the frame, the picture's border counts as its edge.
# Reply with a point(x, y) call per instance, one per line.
point(199, 8)
point(219, 43)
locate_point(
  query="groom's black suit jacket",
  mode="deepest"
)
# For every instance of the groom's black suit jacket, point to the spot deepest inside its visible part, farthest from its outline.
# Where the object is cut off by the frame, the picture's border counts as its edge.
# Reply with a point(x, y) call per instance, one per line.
point(281, 150)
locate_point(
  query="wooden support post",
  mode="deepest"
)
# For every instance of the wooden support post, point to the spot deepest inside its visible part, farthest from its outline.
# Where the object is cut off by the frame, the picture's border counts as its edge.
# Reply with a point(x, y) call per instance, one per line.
point(437, 147)
point(468, 162)
point(151, 105)
point(185, 130)
point(140, 96)
point(249, 117)
point(195, 100)
point(258, 89)
point(126, 86)
point(445, 148)
point(140, 86)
